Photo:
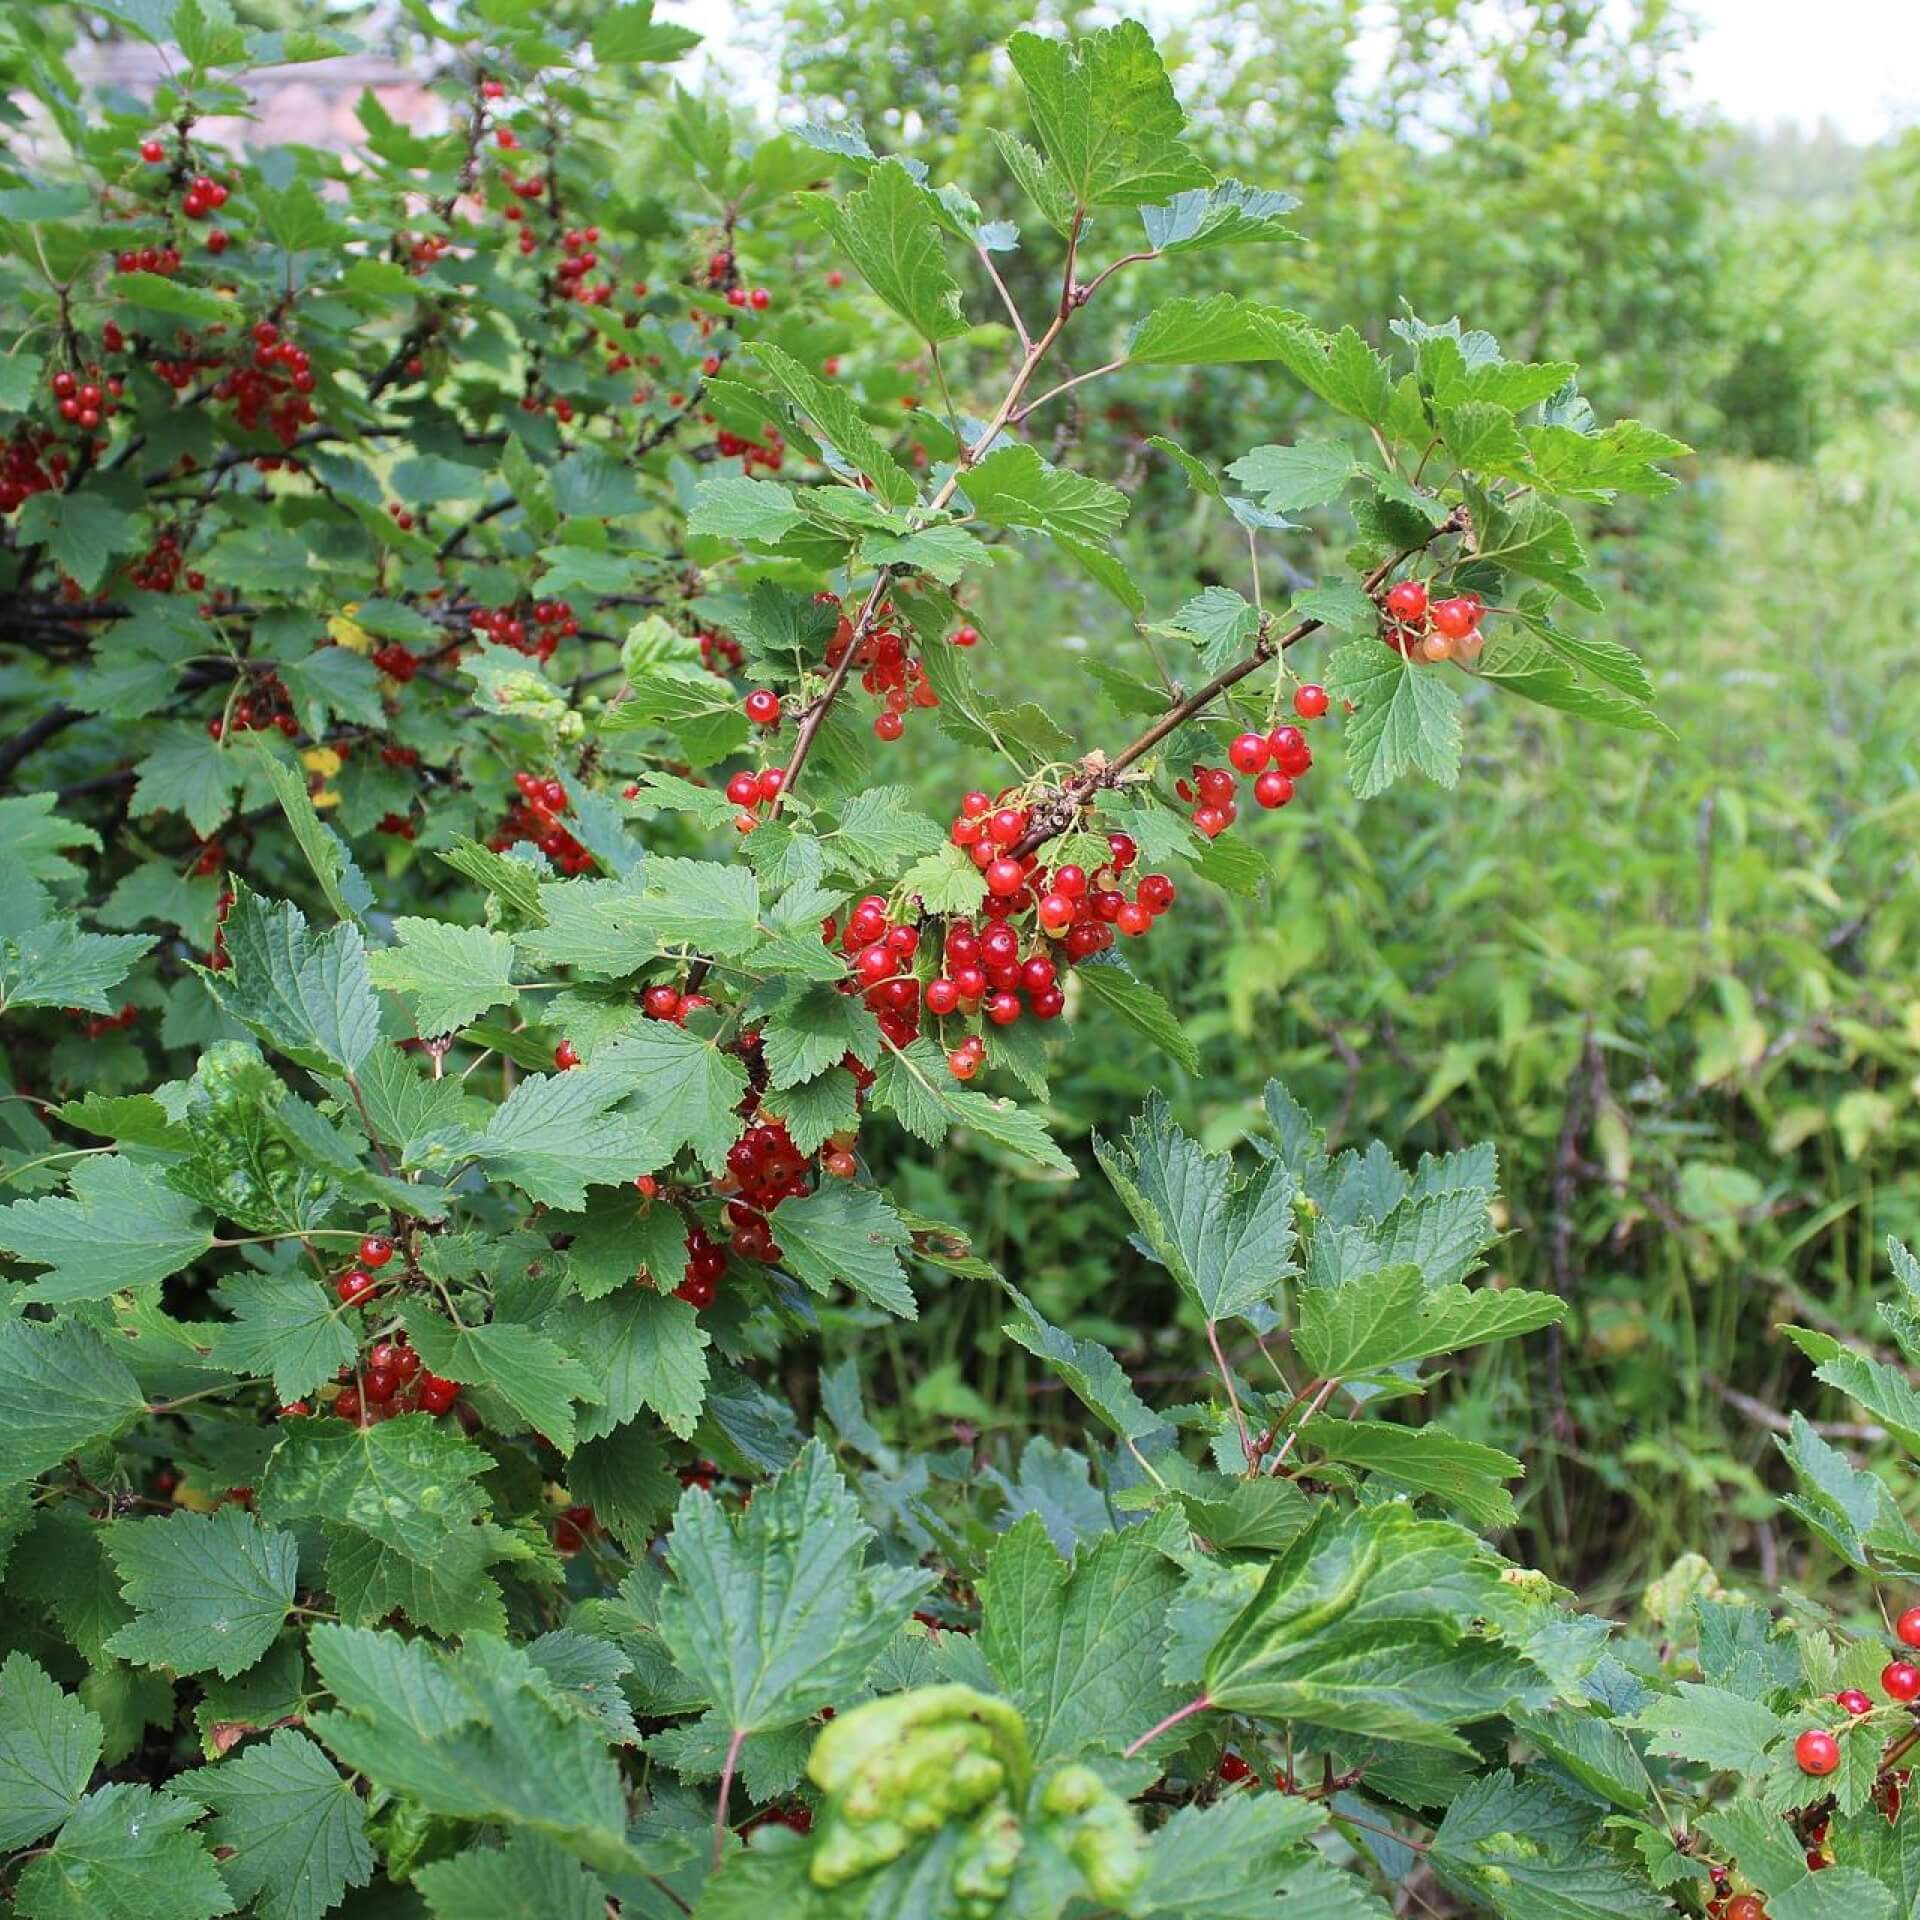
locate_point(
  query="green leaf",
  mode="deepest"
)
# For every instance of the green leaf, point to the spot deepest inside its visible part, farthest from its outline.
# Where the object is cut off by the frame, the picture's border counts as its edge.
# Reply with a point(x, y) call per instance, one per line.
point(1341, 368)
point(1227, 1241)
point(944, 881)
point(1361, 1624)
point(1224, 215)
point(833, 412)
point(453, 974)
point(891, 231)
point(913, 1084)
point(1244, 1858)
point(1107, 116)
point(1078, 1647)
point(1387, 1318)
point(296, 1828)
point(1210, 330)
point(640, 1349)
point(405, 1483)
point(527, 1879)
point(631, 33)
point(1709, 1725)
point(1527, 1851)
point(1404, 717)
point(61, 1386)
point(879, 829)
point(628, 1480)
point(1107, 979)
point(1540, 543)
point(732, 507)
point(1222, 624)
point(310, 997)
point(523, 1368)
point(83, 531)
point(554, 1135)
point(39, 840)
point(49, 1746)
point(775, 1614)
point(690, 1091)
point(1094, 1375)
point(1200, 476)
point(1462, 1473)
point(1306, 474)
point(708, 904)
point(57, 964)
point(1338, 605)
point(185, 772)
point(344, 886)
point(1596, 466)
point(1518, 663)
point(1015, 487)
point(1483, 440)
point(118, 1225)
point(845, 1232)
point(500, 1743)
point(286, 1324)
point(126, 1854)
point(945, 553)
point(210, 1591)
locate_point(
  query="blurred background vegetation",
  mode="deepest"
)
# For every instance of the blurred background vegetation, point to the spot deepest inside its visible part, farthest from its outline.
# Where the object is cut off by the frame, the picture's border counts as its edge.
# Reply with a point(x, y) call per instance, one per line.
point(1677, 983)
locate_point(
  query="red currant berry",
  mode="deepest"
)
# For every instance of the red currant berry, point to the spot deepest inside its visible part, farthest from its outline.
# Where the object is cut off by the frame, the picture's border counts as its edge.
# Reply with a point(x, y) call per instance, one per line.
point(1006, 826)
point(763, 707)
point(1273, 789)
point(772, 782)
point(888, 725)
point(966, 636)
point(354, 1286)
point(1907, 1627)
point(346, 1404)
point(1901, 1679)
point(566, 1055)
point(1133, 919)
point(744, 789)
point(1746, 1906)
point(1210, 821)
point(1004, 878)
point(1003, 1008)
point(1854, 1701)
point(1290, 751)
point(875, 964)
point(942, 996)
point(1122, 851)
point(1248, 752)
point(760, 299)
point(1233, 1769)
point(1816, 1751)
point(975, 804)
point(1055, 912)
point(152, 152)
point(1456, 618)
point(962, 1064)
point(375, 1251)
point(1408, 600)
point(1310, 701)
point(1155, 892)
point(436, 1394)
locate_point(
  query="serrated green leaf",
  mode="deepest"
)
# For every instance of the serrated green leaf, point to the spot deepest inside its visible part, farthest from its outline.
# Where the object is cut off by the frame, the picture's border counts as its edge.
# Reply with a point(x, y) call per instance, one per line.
point(913, 1084)
point(208, 1590)
point(118, 1225)
point(639, 1349)
point(732, 507)
point(126, 1854)
point(451, 974)
point(310, 996)
point(845, 1232)
point(529, 1878)
point(776, 1614)
point(1404, 717)
point(1015, 487)
point(59, 964)
point(1462, 1473)
point(523, 1368)
point(890, 229)
point(61, 1386)
point(1107, 116)
point(1095, 1376)
point(1388, 1318)
point(1224, 215)
point(49, 1745)
point(1210, 330)
point(296, 1828)
point(1307, 474)
point(833, 412)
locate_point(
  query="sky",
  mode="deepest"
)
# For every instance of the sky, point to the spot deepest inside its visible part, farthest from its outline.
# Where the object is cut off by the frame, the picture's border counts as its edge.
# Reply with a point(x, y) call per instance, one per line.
point(1855, 63)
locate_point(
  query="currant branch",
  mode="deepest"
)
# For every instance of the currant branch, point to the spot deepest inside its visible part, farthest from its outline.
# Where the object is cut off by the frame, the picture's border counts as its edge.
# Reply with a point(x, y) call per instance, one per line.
point(1054, 817)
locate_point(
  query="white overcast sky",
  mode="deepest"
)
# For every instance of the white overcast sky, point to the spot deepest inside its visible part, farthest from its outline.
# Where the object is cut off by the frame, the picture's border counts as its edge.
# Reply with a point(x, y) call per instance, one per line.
point(1853, 62)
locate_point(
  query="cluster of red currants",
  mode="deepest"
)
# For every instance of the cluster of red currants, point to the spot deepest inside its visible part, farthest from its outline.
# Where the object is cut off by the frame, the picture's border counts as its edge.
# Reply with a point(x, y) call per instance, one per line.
point(94, 1025)
point(275, 383)
point(535, 633)
point(578, 259)
point(706, 1262)
point(748, 790)
point(165, 261)
point(664, 1001)
point(1275, 761)
point(396, 662)
point(83, 402)
point(159, 569)
point(31, 462)
point(267, 705)
point(535, 816)
point(720, 653)
point(1437, 630)
point(768, 452)
point(398, 826)
point(204, 195)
